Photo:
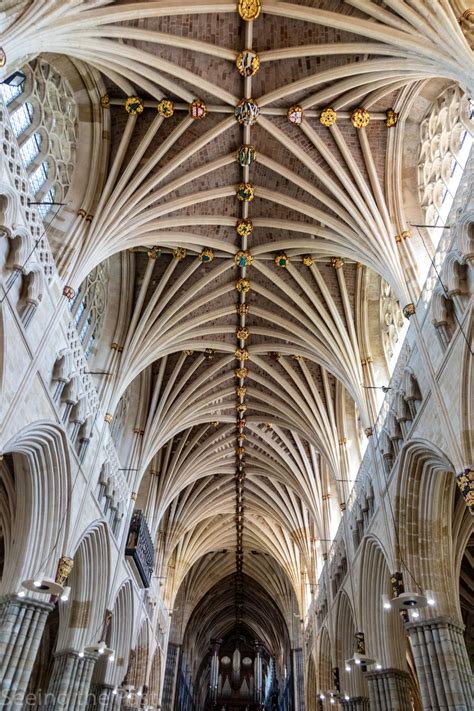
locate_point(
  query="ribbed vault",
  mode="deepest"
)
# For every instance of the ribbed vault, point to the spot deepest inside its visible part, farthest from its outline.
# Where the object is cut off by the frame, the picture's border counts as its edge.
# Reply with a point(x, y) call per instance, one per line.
point(249, 348)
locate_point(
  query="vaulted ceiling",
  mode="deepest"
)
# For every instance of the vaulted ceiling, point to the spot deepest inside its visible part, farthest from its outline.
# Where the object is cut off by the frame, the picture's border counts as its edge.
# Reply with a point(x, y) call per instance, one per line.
point(251, 348)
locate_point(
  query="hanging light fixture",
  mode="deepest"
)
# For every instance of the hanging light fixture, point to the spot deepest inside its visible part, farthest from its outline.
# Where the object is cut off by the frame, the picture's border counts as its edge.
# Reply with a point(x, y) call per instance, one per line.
point(359, 660)
point(43, 585)
point(408, 601)
point(101, 649)
point(405, 601)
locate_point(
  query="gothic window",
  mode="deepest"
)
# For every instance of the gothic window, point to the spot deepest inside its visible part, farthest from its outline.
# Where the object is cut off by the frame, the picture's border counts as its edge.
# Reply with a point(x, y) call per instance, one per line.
point(446, 140)
point(119, 418)
point(89, 307)
point(43, 116)
point(392, 322)
point(10, 92)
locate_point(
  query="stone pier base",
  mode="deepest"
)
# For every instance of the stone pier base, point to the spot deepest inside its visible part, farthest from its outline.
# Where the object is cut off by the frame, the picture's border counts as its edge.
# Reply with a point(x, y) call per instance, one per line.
point(442, 665)
point(70, 682)
point(389, 690)
point(22, 622)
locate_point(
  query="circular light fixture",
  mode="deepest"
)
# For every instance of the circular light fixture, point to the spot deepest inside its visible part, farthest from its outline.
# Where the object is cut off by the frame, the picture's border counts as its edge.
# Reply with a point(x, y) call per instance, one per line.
point(100, 648)
point(44, 586)
point(408, 601)
point(358, 660)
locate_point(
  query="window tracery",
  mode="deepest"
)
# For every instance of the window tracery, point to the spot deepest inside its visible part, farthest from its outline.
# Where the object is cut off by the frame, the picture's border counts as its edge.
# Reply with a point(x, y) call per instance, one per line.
point(392, 322)
point(89, 306)
point(120, 417)
point(446, 140)
point(43, 116)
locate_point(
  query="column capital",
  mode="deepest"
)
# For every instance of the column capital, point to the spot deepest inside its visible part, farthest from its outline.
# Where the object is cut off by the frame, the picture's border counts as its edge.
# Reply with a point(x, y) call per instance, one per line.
point(435, 623)
point(387, 674)
point(69, 652)
point(30, 602)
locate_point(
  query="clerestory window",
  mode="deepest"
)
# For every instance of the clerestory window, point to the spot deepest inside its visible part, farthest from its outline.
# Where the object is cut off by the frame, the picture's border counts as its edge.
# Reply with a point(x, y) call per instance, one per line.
point(43, 116)
point(446, 140)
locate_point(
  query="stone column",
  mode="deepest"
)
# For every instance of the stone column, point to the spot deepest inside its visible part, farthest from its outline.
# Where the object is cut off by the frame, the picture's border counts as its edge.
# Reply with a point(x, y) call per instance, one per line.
point(171, 673)
point(442, 664)
point(22, 622)
point(70, 682)
point(357, 703)
point(389, 690)
point(102, 698)
point(298, 678)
